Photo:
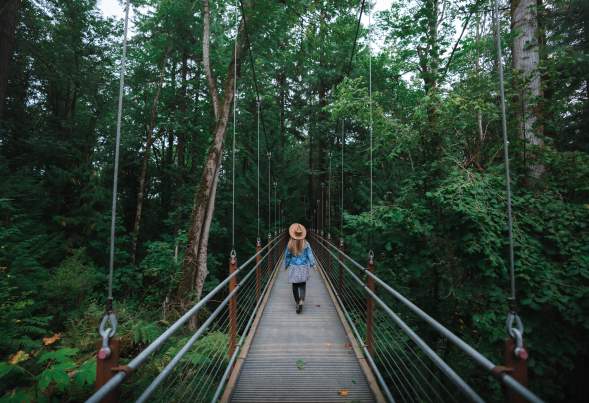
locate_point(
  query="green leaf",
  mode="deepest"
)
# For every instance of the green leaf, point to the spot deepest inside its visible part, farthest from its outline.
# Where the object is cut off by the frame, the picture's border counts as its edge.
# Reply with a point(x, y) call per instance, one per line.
point(55, 375)
point(86, 374)
point(58, 356)
point(300, 364)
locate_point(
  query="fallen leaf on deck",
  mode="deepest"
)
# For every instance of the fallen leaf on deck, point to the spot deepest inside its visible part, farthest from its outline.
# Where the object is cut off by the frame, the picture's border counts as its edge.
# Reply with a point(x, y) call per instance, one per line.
point(300, 364)
point(343, 392)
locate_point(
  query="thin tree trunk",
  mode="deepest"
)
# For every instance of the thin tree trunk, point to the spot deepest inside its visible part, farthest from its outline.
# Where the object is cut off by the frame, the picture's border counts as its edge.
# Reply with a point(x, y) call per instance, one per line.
point(194, 266)
point(526, 60)
point(8, 13)
point(145, 162)
point(480, 26)
point(181, 160)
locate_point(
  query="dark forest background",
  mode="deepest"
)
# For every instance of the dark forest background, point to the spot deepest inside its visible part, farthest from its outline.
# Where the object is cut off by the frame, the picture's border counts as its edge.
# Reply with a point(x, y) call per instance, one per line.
point(439, 229)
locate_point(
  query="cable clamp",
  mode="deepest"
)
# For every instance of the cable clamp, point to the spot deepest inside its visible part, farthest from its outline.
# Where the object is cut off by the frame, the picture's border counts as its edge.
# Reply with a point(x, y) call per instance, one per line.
point(122, 368)
point(106, 334)
point(499, 370)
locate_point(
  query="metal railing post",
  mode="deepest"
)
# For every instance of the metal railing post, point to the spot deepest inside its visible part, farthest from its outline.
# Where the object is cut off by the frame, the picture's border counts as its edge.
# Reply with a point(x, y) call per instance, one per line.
point(258, 268)
point(518, 369)
point(104, 368)
point(232, 304)
point(370, 306)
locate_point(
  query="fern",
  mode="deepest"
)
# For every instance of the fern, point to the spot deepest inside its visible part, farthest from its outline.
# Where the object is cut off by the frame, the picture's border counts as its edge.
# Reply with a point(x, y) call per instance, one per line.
point(145, 332)
point(63, 355)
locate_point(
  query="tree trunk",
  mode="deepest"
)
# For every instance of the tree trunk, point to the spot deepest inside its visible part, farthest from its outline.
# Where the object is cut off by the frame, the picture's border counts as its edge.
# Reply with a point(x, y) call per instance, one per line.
point(181, 160)
point(8, 13)
point(145, 162)
point(480, 26)
point(194, 266)
point(526, 60)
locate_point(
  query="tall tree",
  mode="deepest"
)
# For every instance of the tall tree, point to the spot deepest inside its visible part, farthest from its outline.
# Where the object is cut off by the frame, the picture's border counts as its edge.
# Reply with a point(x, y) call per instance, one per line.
point(194, 266)
point(526, 61)
point(8, 15)
point(149, 139)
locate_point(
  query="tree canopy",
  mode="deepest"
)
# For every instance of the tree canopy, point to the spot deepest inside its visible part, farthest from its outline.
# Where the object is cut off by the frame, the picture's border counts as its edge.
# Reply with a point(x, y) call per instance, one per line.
point(438, 228)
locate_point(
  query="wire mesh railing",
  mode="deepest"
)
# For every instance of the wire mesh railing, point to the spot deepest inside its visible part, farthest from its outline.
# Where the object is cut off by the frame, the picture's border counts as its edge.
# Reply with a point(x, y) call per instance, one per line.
point(397, 336)
point(193, 364)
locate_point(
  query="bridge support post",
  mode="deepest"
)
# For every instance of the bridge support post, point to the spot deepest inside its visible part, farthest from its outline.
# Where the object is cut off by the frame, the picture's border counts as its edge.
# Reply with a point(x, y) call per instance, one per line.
point(232, 304)
point(329, 257)
point(370, 307)
point(340, 282)
point(258, 269)
point(105, 368)
point(270, 252)
point(518, 369)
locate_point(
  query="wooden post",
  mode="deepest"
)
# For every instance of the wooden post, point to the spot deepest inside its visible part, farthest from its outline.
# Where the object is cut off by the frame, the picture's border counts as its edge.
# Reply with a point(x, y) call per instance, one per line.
point(370, 306)
point(340, 283)
point(518, 369)
point(232, 304)
point(269, 252)
point(104, 368)
point(258, 269)
point(329, 257)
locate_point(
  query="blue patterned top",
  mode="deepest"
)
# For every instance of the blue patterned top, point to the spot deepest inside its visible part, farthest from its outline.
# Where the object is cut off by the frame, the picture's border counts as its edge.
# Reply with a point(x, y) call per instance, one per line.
point(305, 258)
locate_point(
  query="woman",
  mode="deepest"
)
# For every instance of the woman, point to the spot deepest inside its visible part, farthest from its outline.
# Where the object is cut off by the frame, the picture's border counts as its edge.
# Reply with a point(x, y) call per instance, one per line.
point(298, 260)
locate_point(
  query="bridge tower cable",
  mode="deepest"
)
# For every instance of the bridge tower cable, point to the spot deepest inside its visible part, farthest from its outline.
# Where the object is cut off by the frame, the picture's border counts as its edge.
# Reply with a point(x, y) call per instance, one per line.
point(108, 355)
point(516, 354)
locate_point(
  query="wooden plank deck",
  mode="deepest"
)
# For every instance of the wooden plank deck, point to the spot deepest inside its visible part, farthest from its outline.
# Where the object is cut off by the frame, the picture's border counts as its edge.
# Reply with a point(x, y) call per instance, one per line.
point(302, 358)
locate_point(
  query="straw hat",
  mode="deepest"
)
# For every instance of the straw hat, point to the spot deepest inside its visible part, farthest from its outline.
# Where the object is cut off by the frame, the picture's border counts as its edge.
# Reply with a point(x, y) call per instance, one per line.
point(297, 231)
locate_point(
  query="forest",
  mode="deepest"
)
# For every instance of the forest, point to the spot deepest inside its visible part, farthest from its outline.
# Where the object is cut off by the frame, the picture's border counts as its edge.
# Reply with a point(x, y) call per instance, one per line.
point(324, 100)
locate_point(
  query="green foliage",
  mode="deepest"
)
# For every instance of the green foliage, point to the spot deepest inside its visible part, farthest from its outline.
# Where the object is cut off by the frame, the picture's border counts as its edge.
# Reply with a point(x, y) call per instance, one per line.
point(145, 332)
point(439, 222)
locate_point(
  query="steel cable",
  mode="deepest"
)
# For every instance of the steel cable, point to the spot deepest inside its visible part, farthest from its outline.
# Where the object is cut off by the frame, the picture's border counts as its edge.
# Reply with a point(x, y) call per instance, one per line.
point(360, 309)
point(217, 357)
point(113, 217)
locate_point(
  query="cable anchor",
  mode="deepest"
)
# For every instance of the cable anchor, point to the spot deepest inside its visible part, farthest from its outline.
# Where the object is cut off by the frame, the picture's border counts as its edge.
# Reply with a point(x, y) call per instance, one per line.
point(107, 334)
point(517, 333)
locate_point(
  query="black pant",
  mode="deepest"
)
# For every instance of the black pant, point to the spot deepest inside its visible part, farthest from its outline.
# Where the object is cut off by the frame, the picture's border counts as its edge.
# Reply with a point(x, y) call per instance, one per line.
point(298, 290)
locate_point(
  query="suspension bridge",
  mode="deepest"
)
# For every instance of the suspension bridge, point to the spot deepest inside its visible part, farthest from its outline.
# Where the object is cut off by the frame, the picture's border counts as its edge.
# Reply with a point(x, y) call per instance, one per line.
point(358, 340)
point(354, 342)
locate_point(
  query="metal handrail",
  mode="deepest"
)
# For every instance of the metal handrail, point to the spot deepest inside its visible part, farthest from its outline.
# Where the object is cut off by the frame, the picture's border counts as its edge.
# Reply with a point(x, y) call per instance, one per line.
point(242, 338)
point(379, 377)
point(176, 359)
point(483, 361)
point(136, 362)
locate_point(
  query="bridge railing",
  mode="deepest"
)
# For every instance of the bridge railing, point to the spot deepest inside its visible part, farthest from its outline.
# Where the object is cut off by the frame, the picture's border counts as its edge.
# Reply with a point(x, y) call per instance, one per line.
point(396, 336)
point(193, 363)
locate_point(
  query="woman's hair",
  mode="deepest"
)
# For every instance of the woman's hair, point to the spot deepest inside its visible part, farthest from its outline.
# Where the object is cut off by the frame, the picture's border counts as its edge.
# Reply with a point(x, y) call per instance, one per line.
point(296, 246)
